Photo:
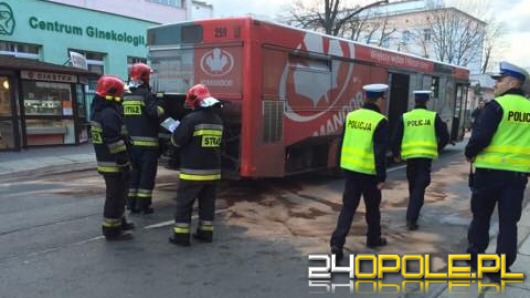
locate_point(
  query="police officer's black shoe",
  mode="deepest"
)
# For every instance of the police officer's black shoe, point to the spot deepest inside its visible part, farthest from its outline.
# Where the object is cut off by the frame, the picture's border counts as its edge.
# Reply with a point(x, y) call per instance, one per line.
point(180, 239)
point(412, 225)
point(126, 225)
point(134, 211)
point(122, 236)
point(381, 241)
point(337, 251)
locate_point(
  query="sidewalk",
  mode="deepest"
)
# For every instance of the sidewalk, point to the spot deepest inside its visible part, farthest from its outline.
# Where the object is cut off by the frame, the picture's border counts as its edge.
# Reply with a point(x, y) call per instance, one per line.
point(48, 160)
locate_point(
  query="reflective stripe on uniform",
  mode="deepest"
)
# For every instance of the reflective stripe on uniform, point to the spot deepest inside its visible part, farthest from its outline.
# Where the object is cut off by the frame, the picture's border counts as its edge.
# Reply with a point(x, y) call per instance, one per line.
point(181, 228)
point(144, 193)
point(111, 222)
point(206, 225)
point(117, 147)
point(200, 175)
point(144, 141)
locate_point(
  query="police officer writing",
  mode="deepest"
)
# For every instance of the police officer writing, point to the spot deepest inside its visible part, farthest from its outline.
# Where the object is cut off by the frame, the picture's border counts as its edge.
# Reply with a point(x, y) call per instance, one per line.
point(198, 138)
point(142, 112)
point(111, 154)
point(499, 147)
point(362, 157)
point(418, 138)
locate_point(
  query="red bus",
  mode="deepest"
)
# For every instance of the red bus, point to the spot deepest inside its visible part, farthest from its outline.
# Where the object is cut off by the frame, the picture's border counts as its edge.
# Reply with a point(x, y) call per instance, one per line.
point(287, 90)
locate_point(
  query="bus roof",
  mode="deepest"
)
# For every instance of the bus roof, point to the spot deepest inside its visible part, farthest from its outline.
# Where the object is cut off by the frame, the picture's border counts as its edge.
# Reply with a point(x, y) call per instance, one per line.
point(254, 18)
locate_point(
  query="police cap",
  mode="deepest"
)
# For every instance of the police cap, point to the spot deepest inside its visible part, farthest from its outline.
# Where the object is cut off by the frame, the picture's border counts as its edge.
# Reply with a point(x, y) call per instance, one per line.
point(512, 70)
point(422, 94)
point(375, 90)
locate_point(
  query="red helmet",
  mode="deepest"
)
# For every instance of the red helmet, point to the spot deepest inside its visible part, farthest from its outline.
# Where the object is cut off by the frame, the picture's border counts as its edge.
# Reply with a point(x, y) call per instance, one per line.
point(140, 72)
point(196, 94)
point(110, 87)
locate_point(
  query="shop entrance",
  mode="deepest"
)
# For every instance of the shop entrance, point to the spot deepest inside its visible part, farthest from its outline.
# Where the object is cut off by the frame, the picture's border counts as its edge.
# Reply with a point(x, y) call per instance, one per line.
point(9, 137)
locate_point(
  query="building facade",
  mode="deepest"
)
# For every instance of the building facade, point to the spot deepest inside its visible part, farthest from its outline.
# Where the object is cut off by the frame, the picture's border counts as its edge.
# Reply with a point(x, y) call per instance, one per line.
point(69, 43)
point(428, 29)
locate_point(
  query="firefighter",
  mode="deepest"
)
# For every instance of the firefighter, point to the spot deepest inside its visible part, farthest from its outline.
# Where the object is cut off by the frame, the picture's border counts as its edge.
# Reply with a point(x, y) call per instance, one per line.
point(499, 147)
point(418, 138)
point(198, 138)
point(142, 112)
point(110, 145)
point(362, 156)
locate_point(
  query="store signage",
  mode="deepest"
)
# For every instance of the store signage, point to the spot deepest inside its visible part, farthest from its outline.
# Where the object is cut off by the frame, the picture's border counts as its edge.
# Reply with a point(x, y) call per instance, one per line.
point(48, 76)
point(78, 60)
point(7, 21)
point(89, 31)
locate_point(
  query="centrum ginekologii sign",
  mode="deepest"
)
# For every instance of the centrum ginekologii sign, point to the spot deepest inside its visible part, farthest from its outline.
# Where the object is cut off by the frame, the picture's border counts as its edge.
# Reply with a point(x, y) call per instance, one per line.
point(90, 31)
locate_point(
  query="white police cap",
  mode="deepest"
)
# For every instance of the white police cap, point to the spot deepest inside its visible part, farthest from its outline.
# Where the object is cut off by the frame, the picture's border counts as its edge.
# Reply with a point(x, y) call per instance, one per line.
point(512, 70)
point(375, 90)
point(422, 94)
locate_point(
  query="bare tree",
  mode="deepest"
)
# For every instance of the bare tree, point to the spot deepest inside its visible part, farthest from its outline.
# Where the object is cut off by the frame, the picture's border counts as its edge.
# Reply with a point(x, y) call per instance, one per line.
point(332, 17)
point(452, 36)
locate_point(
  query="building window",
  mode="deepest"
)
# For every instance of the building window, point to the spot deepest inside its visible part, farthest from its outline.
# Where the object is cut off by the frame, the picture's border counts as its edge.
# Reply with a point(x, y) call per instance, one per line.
point(174, 3)
point(406, 37)
point(95, 63)
point(427, 34)
point(20, 50)
point(132, 60)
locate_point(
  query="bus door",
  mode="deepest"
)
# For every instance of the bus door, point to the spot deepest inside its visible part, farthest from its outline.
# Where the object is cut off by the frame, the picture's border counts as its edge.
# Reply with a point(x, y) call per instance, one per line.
point(398, 100)
point(457, 129)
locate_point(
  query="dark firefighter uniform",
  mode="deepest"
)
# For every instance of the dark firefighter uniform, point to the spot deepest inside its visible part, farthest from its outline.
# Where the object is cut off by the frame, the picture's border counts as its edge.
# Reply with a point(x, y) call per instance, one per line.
point(418, 138)
point(500, 148)
point(109, 139)
point(199, 139)
point(362, 157)
point(142, 114)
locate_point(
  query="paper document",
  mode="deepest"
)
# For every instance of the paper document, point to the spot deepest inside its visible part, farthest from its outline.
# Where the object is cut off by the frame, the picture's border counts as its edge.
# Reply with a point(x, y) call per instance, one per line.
point(170, 124)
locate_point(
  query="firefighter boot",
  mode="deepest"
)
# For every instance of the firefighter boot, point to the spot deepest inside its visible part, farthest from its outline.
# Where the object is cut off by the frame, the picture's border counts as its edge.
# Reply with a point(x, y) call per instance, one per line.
point(204, 236)
point(126, 225)
point(180, 239)
point(116, 234)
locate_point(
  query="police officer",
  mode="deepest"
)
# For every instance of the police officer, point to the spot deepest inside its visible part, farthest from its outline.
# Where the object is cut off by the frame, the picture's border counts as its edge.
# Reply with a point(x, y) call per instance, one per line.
point(362, 156)
point(142, 113)
point(499, 148)
point(418, 138)
point(199, 138)
point(108, 136)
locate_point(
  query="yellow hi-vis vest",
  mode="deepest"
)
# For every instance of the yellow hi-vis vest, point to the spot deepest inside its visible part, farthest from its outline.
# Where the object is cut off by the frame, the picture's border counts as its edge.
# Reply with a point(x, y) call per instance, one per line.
point(357, 152)
point(419, 135)
point(509, 149)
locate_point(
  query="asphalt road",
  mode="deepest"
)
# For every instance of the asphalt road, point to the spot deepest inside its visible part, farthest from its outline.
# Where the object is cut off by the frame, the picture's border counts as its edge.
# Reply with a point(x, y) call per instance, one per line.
point(51, 244)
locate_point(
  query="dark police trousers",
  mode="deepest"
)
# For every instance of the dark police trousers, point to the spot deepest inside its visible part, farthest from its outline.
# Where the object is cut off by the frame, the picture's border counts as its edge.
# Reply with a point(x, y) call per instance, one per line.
point(187, 192)
point(142, 181)
point(419, 177)
point(116, 195)
point(358, 184)
point(506, 189)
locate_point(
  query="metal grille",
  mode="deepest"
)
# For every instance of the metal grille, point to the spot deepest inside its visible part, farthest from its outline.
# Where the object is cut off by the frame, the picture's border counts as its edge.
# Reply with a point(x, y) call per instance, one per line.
point(273, 121)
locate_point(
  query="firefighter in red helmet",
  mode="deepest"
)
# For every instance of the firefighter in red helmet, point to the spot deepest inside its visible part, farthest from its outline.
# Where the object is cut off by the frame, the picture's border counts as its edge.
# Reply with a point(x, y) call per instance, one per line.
point(198, 138)
point(142, 113)
point(110, 145)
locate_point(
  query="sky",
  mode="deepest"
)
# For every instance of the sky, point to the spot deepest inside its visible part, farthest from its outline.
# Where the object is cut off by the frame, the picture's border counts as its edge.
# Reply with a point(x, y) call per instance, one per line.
point(514, 13)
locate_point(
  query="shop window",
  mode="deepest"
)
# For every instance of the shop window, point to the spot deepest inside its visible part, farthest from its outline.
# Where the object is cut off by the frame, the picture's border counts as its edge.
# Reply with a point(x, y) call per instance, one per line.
point(47, 98)
point(5, 97)
point(20, 50)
